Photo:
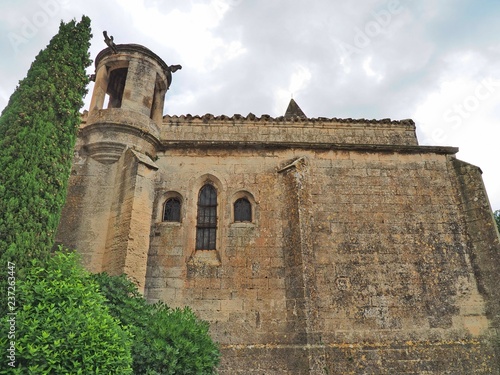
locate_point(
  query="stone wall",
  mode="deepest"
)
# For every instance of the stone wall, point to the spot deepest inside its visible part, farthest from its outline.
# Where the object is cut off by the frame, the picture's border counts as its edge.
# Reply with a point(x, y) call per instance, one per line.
point(358, 261)
point(85, 215)
point(360, 258)
point(265, 129)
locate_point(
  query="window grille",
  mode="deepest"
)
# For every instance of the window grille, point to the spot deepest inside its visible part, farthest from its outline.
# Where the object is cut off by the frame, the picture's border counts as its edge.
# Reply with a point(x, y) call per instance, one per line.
point(206, 223)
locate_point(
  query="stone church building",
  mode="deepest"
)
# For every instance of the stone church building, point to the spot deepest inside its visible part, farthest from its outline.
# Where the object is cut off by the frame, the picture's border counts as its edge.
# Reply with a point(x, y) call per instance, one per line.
point(311, 245)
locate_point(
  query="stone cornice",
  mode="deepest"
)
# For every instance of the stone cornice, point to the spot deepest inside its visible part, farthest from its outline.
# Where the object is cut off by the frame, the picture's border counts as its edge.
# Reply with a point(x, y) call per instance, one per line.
point(120, 121)
point(132, 48)
point(408, 149)
point(127, 49)
point(119, 128)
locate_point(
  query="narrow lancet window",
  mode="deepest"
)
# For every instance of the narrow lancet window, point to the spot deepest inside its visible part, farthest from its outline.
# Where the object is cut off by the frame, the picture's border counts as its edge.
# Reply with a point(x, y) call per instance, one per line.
point(206, 223)
point(116, 87)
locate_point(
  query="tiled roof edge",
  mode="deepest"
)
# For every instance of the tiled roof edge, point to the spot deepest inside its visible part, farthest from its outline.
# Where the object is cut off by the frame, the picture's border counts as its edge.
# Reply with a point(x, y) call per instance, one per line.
point(267, 118)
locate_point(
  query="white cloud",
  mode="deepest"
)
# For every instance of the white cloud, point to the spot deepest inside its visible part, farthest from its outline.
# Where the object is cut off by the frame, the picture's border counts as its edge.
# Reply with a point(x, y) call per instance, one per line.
point(464, 112)
point(188, 32)
point(369, 70)
point(4, 96)
point(298, 81)
point(465, 101)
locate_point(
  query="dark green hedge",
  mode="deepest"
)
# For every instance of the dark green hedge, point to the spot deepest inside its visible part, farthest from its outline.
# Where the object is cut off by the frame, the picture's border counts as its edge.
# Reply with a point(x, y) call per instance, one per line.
point(166, 341)
point(37, 136)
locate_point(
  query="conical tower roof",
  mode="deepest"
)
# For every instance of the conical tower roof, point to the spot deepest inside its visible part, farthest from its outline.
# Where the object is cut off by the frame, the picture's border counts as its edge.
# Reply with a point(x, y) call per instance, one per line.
point(294, 110)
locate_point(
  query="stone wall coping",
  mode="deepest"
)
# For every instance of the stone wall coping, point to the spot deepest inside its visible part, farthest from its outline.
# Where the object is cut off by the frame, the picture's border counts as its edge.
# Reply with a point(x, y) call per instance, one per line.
point(237, 119)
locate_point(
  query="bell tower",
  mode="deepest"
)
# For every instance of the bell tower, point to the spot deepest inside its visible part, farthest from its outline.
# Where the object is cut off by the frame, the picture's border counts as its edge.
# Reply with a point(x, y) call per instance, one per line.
point(112, 183)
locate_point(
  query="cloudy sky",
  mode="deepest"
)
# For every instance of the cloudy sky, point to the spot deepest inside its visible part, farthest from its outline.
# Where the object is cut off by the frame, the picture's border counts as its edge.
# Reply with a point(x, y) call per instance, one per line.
point(435, 61)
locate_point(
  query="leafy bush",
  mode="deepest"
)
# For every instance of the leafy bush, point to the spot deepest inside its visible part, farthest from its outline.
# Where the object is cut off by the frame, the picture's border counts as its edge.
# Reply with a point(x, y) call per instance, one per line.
point(166, 341)
point(62, 324)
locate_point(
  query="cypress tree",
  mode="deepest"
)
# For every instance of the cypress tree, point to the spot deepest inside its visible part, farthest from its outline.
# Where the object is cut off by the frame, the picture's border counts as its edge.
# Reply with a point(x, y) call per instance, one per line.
point(57, 322)
point(37, 136)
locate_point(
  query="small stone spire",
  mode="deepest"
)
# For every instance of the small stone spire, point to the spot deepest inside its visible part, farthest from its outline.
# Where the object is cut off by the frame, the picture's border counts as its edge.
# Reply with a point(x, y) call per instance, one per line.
point(294, 110)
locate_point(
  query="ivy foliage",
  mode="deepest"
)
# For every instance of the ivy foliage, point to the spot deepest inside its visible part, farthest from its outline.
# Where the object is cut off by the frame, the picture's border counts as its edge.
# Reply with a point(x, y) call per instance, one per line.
point(166, 341)
point(37, 136)
point(496, 215)
point(62, 325)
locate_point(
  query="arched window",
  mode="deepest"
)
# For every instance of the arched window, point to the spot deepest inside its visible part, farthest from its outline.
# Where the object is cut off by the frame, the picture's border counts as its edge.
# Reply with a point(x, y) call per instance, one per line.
point(116, 87)
point(206, 222)
point(242, 210)
point(172, 210)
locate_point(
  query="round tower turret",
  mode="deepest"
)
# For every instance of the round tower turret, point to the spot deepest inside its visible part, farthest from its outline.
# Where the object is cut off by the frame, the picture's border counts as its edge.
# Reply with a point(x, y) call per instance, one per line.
point(126, 109)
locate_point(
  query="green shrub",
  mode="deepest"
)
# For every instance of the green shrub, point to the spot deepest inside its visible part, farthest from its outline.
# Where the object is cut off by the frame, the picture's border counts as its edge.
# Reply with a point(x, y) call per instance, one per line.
point(37, 137)
point(166, 341)
point(62, 324)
